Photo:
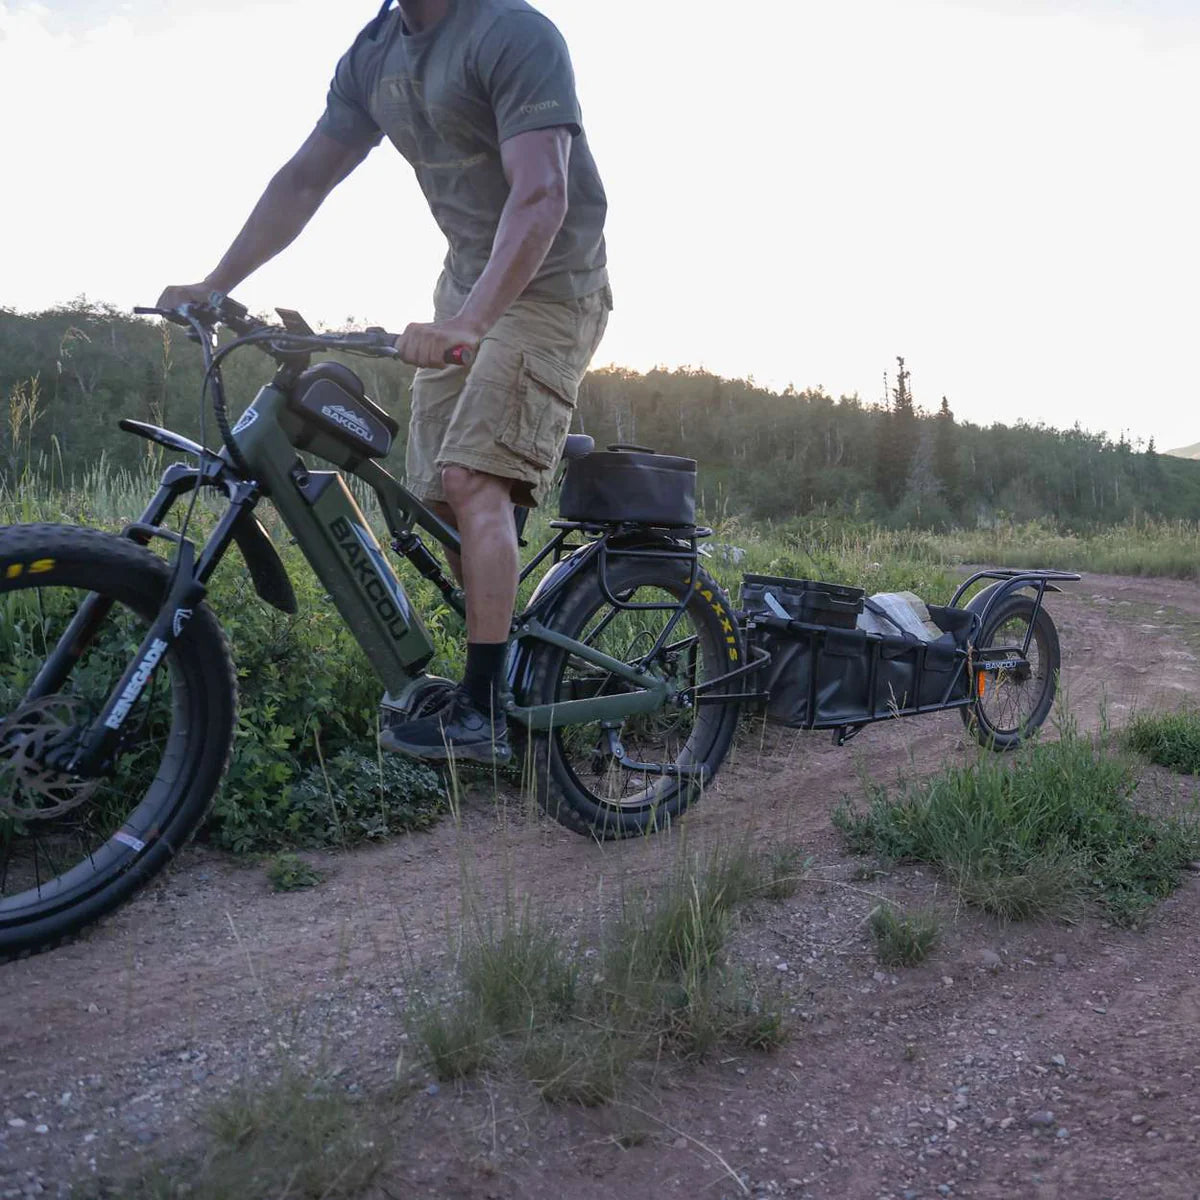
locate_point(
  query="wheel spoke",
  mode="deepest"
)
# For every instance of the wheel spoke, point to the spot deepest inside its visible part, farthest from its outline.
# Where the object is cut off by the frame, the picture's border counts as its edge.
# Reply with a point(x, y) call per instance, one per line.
point(1011, 701)
point(662, 737)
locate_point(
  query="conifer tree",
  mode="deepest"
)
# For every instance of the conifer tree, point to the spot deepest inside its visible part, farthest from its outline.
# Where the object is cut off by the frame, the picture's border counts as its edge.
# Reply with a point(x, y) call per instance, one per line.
point(945, 455)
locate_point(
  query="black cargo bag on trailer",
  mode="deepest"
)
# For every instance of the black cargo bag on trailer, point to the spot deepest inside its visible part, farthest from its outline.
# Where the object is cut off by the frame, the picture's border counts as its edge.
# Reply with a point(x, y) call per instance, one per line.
point(824, 675)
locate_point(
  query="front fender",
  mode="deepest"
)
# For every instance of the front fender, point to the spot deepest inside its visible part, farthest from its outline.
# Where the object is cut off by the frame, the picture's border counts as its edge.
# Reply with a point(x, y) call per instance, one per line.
point(553, 588)
point(545, 601)
point(266, 568)
point(986, 599)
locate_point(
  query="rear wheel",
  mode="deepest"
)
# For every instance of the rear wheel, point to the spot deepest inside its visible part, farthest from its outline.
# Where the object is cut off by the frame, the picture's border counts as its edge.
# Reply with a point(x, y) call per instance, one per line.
point(73, 848)
point(578, 772)
point(1011, 703)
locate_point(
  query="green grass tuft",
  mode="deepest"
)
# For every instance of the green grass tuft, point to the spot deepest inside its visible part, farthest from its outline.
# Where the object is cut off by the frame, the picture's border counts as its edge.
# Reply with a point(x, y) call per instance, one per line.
point(577, 1063)
point(518, 973)
point(296, 1137)
point(658, 985)
point(456, 1037)
point(902, 939)
point(1033, 835)
point(1171, 740)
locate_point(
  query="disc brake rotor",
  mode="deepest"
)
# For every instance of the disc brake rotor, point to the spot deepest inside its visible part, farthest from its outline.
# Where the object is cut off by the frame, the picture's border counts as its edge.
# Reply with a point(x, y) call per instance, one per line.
point(30, 789)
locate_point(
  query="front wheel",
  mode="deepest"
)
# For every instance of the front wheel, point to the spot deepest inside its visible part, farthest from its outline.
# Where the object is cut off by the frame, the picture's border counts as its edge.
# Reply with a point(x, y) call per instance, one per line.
point(1011, 702)
point(584, 774)
point(73, 848)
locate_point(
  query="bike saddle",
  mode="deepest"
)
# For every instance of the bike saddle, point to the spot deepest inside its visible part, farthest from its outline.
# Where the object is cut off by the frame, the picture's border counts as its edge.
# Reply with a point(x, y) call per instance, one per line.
point(579, 445)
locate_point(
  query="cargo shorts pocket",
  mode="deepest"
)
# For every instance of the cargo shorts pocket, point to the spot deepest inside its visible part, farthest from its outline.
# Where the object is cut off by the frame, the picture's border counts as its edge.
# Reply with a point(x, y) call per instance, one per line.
point(538, 415)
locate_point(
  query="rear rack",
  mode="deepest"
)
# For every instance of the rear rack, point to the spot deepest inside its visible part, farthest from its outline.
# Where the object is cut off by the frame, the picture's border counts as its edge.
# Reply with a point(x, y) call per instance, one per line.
point(1043, 580)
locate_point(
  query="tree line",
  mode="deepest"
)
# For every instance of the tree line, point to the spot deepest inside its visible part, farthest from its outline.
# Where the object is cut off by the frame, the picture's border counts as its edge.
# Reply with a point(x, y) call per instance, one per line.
point(71, 372)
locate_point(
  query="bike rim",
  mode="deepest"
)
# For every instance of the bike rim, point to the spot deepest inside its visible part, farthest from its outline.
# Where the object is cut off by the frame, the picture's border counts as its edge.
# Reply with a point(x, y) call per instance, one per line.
point(680, 735)
point(61, 840)
point(1009, 701)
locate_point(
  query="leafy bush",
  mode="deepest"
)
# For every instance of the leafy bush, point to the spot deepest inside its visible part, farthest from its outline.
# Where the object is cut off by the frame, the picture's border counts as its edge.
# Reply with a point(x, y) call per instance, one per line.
point(350, 799)
point(289, 873)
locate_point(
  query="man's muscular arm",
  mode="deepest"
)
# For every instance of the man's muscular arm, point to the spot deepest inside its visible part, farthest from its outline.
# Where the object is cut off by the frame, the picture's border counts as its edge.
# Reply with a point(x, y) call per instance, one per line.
point(286, 206)
point(535, 165)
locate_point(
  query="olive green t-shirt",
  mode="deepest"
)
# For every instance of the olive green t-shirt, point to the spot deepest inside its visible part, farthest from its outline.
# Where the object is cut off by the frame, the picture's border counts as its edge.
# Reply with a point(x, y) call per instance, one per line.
point(446, 98)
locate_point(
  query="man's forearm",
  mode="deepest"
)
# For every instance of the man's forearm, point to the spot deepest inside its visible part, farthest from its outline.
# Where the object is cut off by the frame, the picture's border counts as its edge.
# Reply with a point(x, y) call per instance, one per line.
point(526, 232)
point(282, 212)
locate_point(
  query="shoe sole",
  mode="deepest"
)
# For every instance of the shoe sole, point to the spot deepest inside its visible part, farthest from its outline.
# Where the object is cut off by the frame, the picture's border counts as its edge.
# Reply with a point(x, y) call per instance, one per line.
point(486, 755)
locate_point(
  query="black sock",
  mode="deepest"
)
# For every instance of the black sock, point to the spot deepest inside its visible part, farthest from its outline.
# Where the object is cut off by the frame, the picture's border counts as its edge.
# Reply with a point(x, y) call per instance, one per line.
point(485, 674)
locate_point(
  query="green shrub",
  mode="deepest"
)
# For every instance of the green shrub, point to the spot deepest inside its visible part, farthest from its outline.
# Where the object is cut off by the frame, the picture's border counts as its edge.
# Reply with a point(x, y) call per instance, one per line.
point(351, 798)
point(304, 770)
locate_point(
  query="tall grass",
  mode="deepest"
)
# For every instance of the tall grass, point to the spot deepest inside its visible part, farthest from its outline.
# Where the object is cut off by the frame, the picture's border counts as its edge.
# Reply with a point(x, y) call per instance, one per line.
point(884, 559)
point(658, 984)
point(1138, 547)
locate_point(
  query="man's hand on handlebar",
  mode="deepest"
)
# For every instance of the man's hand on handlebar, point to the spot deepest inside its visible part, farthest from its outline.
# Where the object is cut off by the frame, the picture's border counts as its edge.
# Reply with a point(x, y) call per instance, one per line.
point(188, 293)
point(437, 343)
point(448, 343)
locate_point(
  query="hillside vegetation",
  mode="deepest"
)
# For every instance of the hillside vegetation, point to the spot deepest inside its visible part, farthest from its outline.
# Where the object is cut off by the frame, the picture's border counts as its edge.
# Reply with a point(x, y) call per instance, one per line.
point(69, 373)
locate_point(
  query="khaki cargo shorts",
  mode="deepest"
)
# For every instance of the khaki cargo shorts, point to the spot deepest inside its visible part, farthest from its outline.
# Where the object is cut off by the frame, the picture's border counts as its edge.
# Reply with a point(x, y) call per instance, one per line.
point(509, 415)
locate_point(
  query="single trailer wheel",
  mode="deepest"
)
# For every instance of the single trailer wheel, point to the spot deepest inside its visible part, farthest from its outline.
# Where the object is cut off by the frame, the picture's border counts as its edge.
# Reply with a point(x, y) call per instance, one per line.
point(1012, 702)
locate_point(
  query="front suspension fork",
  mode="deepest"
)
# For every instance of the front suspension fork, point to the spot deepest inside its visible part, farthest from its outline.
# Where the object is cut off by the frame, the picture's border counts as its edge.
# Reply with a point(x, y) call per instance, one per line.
point(189, 576)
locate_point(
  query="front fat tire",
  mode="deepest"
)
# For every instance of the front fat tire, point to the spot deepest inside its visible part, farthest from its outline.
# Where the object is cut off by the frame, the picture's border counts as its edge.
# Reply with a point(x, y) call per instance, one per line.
point(559, 791)
point(203, 696)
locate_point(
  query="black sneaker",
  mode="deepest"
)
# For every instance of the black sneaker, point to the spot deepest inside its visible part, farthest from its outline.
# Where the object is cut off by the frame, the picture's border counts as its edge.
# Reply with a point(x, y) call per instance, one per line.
point(459, 732)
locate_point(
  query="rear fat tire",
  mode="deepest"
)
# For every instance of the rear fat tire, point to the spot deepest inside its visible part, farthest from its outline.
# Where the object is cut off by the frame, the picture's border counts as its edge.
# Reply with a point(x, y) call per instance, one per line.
point(202, 696)
point(1045, 639)
point(710, 615)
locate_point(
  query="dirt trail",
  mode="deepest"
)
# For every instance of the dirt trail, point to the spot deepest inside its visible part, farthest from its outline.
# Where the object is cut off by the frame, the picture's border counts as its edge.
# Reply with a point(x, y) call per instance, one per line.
point(892, 1084)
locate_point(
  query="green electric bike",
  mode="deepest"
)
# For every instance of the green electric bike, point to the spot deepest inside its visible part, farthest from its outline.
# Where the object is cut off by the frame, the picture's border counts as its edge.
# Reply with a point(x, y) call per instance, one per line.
point(117, 688)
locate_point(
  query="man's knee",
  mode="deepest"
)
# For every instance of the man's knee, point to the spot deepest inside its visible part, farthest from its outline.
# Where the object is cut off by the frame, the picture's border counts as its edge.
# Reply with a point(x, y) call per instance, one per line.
point(467, 490)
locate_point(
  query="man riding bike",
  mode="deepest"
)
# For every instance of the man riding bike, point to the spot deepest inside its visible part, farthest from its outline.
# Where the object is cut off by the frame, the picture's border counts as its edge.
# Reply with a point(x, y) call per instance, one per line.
point(479, 97)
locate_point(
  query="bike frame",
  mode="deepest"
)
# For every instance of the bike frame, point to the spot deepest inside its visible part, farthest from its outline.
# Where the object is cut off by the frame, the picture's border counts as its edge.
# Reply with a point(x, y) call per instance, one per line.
point(333, 534)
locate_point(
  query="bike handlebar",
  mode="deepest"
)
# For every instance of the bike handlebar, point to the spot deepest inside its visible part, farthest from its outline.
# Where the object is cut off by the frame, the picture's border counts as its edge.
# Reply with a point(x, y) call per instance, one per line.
point(278, 340)
point(290, 345)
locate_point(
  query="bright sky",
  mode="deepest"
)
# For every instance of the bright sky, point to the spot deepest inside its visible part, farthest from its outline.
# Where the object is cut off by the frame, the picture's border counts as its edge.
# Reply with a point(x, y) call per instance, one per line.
point(1003, 191)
